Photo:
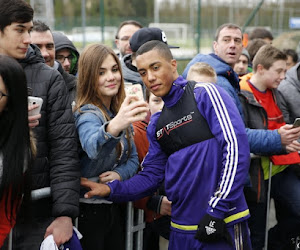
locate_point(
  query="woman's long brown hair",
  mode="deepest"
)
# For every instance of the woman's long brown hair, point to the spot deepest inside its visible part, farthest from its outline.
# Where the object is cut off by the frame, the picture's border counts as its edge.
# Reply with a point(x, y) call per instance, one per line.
point(89, 64)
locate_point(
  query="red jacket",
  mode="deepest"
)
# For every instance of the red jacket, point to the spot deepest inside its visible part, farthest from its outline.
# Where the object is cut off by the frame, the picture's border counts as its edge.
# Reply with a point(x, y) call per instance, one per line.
point(142, 145)
point(5, 224)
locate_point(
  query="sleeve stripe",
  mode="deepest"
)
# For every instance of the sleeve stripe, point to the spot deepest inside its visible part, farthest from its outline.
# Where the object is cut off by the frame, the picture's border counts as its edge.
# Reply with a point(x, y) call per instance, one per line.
point(232, 145)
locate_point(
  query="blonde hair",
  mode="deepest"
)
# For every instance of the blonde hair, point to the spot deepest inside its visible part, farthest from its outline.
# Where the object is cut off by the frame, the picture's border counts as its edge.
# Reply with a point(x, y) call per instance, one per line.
point(201, 68)
point(89, 64)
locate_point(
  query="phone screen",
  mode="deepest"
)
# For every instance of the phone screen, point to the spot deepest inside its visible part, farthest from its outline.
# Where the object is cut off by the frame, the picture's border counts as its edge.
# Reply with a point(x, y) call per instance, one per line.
point(296, 123)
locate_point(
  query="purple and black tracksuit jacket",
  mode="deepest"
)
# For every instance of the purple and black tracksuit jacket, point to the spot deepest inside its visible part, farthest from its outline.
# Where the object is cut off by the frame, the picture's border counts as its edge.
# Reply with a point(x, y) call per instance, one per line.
point(205, 177)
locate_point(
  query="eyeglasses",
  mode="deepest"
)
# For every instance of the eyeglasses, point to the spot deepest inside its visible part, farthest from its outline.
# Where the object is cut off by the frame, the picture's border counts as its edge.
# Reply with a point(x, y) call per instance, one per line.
point(2, 94)
point(62, 58)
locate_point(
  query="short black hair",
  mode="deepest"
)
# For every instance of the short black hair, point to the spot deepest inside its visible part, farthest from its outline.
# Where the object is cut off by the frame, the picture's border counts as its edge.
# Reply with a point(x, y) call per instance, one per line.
point(260, 33)
point(14, 11)
point(292, 53)
point(40, 26)
point(163, 49)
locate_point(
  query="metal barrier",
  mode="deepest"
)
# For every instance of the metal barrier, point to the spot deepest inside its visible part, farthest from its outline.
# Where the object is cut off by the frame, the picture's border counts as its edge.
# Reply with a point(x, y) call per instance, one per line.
point(297, 243)
point(135, 217)
point(134, 226)
point(268, 205)
point(131, 228)
point(268, 199)
point(35, 195)
point(297, 239)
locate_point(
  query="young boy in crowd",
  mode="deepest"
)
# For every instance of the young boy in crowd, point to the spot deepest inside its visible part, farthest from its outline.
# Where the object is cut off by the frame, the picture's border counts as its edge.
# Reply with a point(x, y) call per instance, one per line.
point(202, 72)
point(198, 146)
point(241, 66)
point(261, 110)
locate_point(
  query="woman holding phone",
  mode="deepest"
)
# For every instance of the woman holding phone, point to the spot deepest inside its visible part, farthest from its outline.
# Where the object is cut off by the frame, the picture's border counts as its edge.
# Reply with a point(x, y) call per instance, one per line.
point(103, 118)
point(15, 148)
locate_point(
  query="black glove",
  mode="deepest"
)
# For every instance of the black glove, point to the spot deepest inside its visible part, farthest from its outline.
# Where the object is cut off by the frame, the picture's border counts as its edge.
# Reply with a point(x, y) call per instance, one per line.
point(211, 229)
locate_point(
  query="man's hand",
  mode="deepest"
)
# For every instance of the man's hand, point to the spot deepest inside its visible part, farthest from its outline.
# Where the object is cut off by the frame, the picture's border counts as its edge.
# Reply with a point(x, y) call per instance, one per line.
point(33, 120)
point(109, 176)
point(61, 229)
point(96, 188)
point(165, 206)
point(293, 147)
point(288, 134)
point(211, 229)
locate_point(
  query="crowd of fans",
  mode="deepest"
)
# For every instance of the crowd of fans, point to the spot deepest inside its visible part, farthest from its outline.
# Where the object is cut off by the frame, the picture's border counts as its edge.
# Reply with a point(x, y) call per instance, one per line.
point(196, 151)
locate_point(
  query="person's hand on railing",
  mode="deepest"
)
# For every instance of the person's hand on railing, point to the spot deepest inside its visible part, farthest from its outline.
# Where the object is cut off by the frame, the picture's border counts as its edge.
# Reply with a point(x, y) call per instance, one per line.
point(96, 189)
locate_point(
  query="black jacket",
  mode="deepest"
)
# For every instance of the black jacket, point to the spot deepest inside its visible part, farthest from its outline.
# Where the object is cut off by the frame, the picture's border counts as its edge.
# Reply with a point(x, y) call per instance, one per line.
point(57, 162)
point(70, 81)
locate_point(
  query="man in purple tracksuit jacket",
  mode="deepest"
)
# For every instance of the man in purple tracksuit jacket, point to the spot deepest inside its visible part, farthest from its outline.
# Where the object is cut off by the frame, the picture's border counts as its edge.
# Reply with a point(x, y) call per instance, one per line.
point(199, 146)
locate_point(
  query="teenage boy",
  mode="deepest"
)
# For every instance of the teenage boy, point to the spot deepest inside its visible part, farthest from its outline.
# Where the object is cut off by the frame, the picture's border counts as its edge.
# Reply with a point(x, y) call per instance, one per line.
point(241, 66)
point(56, 164)
point(65, 52)
point(199, 146)
point(260, 105)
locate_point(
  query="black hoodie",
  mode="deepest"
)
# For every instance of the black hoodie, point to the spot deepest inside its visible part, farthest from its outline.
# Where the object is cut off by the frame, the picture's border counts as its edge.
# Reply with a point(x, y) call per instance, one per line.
point(61, 41)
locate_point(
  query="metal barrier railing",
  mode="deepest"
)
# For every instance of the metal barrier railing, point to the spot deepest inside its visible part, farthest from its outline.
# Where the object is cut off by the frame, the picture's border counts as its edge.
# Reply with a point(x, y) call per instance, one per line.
point(133, 225)
point(268, 205)
point(35, 195)
point(253, 156)
point(297, 239)
point(131, 228)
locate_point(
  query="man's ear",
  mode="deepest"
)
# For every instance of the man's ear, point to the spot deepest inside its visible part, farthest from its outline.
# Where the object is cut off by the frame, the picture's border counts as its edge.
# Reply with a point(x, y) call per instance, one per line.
point(260, 69)
point(174, 65)
point(117, 42)
point(215, 45)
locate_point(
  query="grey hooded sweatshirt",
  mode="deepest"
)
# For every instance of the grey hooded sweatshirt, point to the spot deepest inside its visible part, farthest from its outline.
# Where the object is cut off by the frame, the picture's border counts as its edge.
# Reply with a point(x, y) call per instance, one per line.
point(289, 90)
point(130, 72)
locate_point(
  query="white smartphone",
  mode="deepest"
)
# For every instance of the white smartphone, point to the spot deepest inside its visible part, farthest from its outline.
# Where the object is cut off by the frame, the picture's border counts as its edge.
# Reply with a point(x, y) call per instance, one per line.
point(296, 123)
point(35, 100)
point(134, 90)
